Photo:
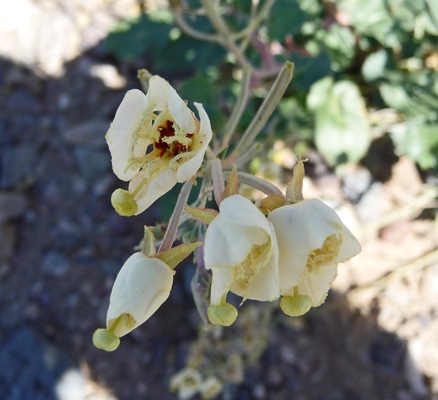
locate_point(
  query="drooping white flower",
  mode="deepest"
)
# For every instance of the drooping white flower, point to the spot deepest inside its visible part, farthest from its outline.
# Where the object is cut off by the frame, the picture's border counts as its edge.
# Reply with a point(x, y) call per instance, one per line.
point(155, 141)
point(241, 250)
point(141, 287)
point(312, 240)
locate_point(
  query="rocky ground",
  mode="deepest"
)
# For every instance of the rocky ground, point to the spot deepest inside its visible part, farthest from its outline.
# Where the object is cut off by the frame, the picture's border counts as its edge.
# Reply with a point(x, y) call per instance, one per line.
point(62, 244)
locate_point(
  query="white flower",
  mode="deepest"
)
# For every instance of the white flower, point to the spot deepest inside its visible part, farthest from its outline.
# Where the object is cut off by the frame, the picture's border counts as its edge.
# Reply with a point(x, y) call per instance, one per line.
point(141, 286)
point(155, 141)
point(312, 240)
point(187, 382)
point(241, 250)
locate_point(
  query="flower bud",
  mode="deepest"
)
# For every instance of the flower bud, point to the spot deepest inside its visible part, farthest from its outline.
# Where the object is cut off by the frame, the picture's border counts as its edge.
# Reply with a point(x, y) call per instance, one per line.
point(141, 286)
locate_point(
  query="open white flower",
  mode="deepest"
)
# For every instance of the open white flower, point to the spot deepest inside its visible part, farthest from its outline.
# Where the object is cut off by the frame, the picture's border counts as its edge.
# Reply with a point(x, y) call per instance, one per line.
point(241, 250)
point(141, 287)
point(312, 240)
point(155, 141)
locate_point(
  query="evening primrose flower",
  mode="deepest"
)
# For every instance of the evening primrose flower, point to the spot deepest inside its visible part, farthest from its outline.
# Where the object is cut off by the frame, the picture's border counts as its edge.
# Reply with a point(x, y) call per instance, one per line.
point(241, 250)
point(155, 141)
point(141, 287)
point(312, 240)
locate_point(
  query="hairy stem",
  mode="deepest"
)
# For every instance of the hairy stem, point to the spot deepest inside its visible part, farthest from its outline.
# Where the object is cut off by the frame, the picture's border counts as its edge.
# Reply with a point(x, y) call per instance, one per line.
point(256, 183)
point(175, 219)
point(218, 180)
point(239, 107)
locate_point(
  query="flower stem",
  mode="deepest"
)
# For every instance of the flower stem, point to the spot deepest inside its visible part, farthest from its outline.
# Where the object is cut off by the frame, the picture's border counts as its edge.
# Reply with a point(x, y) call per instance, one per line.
point(222, 28)
point(257, 183)
point(187, 29)
point(239, 107)
point(247, 156)
point(266, 109)
point(175, 219)
point(218, 180)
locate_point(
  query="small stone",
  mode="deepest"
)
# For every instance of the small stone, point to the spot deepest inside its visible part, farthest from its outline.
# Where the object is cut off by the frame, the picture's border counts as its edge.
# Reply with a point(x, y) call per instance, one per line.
point(356, 183)
point(35, 368)
point(17, 164)
point(259, 391)
point(93, 163)
point(90, 132)
point(71, 385)
point(8, 235)
point(274, 376)
point(109, 75)
point(55, 265)
point(12, 205)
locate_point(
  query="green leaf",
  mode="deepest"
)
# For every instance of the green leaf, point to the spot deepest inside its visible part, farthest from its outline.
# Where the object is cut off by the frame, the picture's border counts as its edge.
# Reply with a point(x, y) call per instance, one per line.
point(341, 46)
point(279, 26)
point(342, 130)
point(198, 88)
point(374, 66)
point(419, 141)
point(374, 18)
point(309, 69)
point(133, 38)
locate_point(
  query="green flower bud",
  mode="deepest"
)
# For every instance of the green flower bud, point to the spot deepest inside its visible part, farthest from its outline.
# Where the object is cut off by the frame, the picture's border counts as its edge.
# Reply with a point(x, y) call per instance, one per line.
point(124, 203)
point(105, 340)
point(224, 314)
point(295, 306)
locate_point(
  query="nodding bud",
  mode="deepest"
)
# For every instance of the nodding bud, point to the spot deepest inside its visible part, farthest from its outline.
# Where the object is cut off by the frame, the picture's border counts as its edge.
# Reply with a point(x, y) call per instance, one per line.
point(124, 203)
point(105, 340)
point(224, 314)
point(295, 306)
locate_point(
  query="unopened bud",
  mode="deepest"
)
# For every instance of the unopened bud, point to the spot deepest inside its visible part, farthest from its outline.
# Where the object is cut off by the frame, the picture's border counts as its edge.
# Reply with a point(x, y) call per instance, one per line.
point(224, 314)
point(124, 203)
point(295, 306)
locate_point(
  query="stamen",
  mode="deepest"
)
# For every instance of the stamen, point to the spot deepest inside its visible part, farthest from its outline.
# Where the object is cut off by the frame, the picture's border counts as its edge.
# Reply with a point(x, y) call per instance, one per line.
point(325, 255)
point(245, 272)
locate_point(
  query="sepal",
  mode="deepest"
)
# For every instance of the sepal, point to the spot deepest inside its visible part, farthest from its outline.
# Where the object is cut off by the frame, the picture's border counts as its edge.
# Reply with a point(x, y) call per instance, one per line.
point(206, 215)
point(175, 255)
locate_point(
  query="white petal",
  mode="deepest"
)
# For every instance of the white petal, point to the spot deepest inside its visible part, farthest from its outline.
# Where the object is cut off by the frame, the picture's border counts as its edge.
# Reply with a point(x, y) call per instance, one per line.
point(183, 117)
point(128, 118)
point(205, 128)
point(191, 167)
point(350, 246)
point(239, 210)
point(158, 93)
point(220, 284)
point(303, 227)
point(187, 170)
point(157, 186)
point(228, 244)
point(317, 284)
point(141, 286)
point(265, 285)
